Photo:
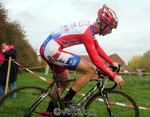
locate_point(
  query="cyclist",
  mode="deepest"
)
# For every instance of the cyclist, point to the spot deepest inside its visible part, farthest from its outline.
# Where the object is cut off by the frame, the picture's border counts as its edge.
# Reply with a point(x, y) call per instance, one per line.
point(82, 32)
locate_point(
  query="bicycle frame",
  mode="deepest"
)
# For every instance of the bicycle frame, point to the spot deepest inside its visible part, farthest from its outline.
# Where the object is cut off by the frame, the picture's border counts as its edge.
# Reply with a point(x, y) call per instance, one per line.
point(99, 85)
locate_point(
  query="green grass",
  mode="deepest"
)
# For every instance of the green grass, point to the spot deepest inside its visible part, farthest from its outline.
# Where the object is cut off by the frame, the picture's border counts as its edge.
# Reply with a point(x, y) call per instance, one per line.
point(138, 88)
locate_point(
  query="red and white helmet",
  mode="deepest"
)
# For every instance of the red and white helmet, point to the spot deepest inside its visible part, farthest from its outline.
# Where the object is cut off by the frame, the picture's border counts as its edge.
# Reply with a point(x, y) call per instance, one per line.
point(107, 17)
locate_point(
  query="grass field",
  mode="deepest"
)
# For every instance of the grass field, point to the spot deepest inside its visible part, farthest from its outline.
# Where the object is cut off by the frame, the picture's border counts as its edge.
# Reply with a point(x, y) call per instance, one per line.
point(138, 88)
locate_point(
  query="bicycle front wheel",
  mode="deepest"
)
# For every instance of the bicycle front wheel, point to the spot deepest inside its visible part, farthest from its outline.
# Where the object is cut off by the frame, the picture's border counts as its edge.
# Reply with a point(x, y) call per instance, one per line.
point(26, 97)
point(122, 105)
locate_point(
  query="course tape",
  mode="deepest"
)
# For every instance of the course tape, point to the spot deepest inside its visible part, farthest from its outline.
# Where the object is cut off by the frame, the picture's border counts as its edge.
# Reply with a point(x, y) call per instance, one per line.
point(42, 78)
point(35, 67)
point(79, 93)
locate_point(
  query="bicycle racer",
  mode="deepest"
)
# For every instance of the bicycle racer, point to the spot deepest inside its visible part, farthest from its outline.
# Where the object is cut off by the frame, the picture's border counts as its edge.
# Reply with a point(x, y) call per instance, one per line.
point(82, 32)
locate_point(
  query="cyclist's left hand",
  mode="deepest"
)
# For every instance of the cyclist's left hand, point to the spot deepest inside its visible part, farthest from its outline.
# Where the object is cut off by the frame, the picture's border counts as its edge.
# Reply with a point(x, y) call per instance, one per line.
point(119, 81)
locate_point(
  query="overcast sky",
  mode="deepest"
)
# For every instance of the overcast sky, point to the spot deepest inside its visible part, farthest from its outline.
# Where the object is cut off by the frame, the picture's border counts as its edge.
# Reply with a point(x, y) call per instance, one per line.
point(39, 17)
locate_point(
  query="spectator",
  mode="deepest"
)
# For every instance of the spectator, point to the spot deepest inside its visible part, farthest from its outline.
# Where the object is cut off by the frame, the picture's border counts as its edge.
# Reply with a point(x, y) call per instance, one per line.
point(6, 52)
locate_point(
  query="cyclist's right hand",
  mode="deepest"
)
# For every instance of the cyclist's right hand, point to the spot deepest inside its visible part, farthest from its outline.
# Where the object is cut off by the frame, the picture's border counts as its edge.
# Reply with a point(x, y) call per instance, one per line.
point(119, 81)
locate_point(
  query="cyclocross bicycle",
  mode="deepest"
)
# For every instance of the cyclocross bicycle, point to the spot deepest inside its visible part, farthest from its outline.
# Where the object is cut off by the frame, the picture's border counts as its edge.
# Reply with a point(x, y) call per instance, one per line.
point(100, 101)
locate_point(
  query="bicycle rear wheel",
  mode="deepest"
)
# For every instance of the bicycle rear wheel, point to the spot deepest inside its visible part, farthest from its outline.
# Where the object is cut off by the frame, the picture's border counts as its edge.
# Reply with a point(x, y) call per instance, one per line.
point(26, 96)
point(122, 105)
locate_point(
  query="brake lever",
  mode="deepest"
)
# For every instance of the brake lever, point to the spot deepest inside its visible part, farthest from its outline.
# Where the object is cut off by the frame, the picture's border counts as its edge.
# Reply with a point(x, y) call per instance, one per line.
point(114, 68)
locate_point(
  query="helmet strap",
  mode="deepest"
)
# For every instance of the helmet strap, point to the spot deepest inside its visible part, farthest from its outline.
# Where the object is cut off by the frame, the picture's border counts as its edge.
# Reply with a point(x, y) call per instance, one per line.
point(101, 30)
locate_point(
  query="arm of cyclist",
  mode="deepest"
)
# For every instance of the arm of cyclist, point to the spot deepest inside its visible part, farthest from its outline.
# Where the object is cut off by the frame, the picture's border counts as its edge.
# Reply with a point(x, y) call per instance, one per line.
point(104, 56)
point(88, 42)
point(94, 52)
point(90, 47)
point(118, 79)
point(101, 53)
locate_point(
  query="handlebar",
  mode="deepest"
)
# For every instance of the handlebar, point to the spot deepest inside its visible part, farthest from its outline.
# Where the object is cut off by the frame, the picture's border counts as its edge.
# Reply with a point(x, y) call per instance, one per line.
point(102, 74)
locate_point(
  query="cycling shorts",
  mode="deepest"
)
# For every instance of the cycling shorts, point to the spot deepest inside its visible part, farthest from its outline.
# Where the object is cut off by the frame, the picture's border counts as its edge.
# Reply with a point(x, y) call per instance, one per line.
point(53, 53)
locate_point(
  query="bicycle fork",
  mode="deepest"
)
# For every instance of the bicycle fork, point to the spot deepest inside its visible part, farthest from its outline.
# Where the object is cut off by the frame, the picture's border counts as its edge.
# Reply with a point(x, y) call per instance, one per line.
point(105, 96)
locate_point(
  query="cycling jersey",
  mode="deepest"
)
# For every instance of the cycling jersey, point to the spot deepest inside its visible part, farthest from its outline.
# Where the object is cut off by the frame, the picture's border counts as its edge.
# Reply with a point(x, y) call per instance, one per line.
point(81, 32)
